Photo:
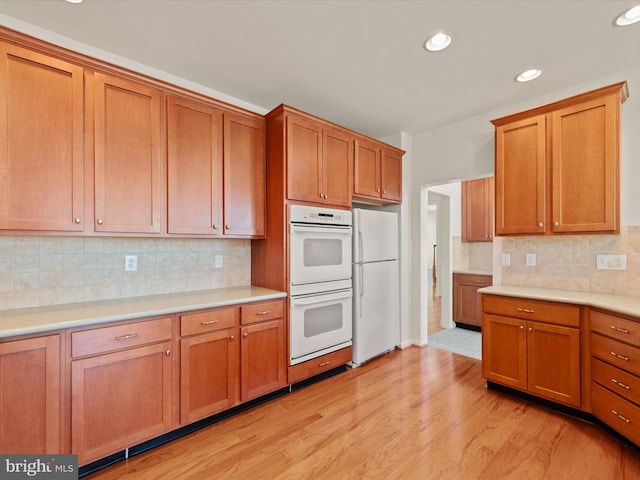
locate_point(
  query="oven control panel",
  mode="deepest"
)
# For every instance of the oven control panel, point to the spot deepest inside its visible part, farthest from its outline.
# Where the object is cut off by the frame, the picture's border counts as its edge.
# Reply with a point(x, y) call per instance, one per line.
point(323, 216)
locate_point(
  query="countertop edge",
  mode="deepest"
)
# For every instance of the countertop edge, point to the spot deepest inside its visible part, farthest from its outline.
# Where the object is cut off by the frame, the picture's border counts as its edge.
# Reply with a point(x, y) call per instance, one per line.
point(54, 318)
point(615, 303)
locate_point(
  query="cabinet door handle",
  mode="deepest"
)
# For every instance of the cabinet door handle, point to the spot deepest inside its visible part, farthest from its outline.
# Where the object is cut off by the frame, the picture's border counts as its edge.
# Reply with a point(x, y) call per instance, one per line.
point(215, 226)
point(126, 336)
point(555, 224)
point(620, 384)
point(540, 225)
point(522, 328)
point(530, 329)
point(622, 417)
point(77, 220)
point(232, 337)
point(227, 227)
point(324, 364)
point(209, 322)
point(621, 357)
point(245, 335)
point(264, 312)
point(526, 310)
point(167, 352)
point(99, 221)
point(618, 329)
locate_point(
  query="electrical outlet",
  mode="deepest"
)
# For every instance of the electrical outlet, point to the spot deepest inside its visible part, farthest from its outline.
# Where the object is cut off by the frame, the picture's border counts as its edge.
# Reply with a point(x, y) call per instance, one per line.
point(219, 261)
point(611, 262)
point(130, 263)
point(506, 259)
point(531, 259)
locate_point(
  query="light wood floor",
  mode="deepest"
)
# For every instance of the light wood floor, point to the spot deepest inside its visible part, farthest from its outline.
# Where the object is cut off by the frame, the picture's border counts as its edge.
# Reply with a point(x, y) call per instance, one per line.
point(413, 414)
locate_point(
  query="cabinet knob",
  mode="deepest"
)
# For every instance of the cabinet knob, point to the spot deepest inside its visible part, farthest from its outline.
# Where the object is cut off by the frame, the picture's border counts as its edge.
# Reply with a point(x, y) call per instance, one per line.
point(245, 335)
point(77, 220)
point(522, 328)
point(232, 337)
point(167, 352)
point(555, 224)
point(99, 221)
point(227, 227)
point(540, 224)
point(215, 226)
point(321, 196)
point(530, 330)
point(378, 190)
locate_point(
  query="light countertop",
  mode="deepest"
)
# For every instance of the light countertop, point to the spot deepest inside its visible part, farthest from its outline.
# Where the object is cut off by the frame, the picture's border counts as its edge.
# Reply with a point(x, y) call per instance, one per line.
point(41, 319)
point(623, 304)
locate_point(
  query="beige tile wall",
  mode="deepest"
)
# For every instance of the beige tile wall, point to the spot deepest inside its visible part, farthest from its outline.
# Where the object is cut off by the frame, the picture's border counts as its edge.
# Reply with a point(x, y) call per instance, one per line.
point(471, 256)
point(569, 262)
point(38, 271)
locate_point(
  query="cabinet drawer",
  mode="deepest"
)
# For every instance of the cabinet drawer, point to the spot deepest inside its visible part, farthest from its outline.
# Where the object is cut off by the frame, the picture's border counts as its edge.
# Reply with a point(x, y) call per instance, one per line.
point(474, 280)
point(318, 365)
point(549, 312)
point(117, 337)
point(201, 322)
point(261, 312)
point(616, 353)
point(621, 382)
point(615, 327)
point(616, 412)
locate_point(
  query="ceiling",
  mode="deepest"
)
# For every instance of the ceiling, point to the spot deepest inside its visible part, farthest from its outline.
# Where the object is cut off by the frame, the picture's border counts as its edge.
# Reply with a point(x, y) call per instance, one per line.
point(360, 64)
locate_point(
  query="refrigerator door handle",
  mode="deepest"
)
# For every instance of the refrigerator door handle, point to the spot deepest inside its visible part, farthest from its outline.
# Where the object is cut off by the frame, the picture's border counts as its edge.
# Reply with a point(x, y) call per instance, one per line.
point(361, 287)
point(361, 259)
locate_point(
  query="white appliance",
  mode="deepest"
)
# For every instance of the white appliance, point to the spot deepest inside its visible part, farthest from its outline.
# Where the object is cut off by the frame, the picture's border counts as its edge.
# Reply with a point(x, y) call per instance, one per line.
point(320, 253)
point(376, 305)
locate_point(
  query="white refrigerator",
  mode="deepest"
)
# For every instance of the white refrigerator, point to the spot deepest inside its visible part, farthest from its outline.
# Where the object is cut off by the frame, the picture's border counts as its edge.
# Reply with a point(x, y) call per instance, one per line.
point(376, 290)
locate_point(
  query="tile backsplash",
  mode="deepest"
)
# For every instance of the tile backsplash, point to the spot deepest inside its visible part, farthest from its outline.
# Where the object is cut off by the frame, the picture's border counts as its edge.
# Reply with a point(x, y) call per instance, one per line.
point(471, 256)
point(569, 261)
point(38, 271)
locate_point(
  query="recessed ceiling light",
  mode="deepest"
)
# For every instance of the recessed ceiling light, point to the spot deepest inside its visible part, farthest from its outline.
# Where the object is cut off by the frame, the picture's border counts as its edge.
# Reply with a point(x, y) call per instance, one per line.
point(74, 1)
point(438, 42)
point(630, 16)
point(528, 75)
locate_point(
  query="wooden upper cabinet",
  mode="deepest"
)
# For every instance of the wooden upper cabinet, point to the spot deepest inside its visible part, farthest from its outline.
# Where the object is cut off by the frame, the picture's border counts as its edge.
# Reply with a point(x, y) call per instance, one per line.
point(244, 175)
point(41, 142)
point(128, 156)
point(318, 163)
point(377, 172)
point(557, 166)
point(194, 167)
point(477, 210)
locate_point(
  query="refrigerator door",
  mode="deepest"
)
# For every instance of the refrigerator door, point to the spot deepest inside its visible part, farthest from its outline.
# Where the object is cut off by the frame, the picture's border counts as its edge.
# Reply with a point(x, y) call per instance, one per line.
point(376, 320)
point(375, 235)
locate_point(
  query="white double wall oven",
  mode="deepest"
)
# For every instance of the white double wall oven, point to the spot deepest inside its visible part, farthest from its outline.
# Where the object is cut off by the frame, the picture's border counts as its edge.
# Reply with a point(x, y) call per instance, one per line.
point(320, 245)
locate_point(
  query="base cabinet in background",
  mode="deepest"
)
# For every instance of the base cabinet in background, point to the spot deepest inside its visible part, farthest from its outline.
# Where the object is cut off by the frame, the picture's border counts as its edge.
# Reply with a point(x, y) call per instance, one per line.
point(30, 396)
point(467, 302)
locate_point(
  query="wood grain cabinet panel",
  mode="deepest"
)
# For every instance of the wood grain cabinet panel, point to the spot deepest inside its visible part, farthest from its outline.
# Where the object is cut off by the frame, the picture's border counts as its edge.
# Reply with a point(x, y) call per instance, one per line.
point(557, 166)
point(477, 210)
point(41, 142)
point(377, 172)
point(30, 396)
point(194, 167)
point(467, 302)
point(540, 357)
point(128, 156)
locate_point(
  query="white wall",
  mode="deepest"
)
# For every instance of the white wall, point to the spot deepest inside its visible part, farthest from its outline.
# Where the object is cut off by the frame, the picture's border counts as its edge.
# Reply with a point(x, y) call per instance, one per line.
point(465, 150)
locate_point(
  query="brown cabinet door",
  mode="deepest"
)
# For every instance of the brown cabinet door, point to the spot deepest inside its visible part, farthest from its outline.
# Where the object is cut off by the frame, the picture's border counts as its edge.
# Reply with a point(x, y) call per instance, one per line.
point(337, 154)
point(120, 399)
point(304, 160)
point(520, 186)
point(263, 361)
point(477, 210)
point(585, 173)
point(208, 374)
point(554, 362)
point(245, 164)
point(504, 350)
point(41, 142)
point(366, 169)
point(30, 396)
point(128, 156)
point(391, 176)
point(469, 305)
point(194, 167)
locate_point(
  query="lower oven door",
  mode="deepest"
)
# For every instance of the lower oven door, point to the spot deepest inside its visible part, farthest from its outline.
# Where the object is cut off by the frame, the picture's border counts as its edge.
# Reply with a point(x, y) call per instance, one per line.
point(319, 324)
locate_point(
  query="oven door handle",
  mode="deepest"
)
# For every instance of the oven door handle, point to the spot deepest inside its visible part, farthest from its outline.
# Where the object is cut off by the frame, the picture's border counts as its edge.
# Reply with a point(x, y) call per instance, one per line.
point(320, 298)
point(325, 230)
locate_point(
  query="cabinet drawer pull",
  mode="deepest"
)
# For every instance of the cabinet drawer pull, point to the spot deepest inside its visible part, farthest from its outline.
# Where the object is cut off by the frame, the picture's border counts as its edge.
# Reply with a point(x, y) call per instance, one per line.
point(620, 384)
point(478, 281)
point(264, 312)
point(127, 336)
point(209, 322)
point(618, 329)
point(324, 364)
point(526, 310)
point(621, 417)
point(621, 357)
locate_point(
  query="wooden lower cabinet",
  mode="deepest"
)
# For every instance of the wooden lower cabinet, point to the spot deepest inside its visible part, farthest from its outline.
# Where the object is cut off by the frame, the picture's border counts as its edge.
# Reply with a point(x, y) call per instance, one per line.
point(318, 365)
point(262, 358)
point(30, 396)
point(467, 302)
point(539, 356)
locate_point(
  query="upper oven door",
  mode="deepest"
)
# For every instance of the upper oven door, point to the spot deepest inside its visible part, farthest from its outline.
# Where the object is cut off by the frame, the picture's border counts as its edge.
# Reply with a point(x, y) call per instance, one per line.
point(319, 253)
